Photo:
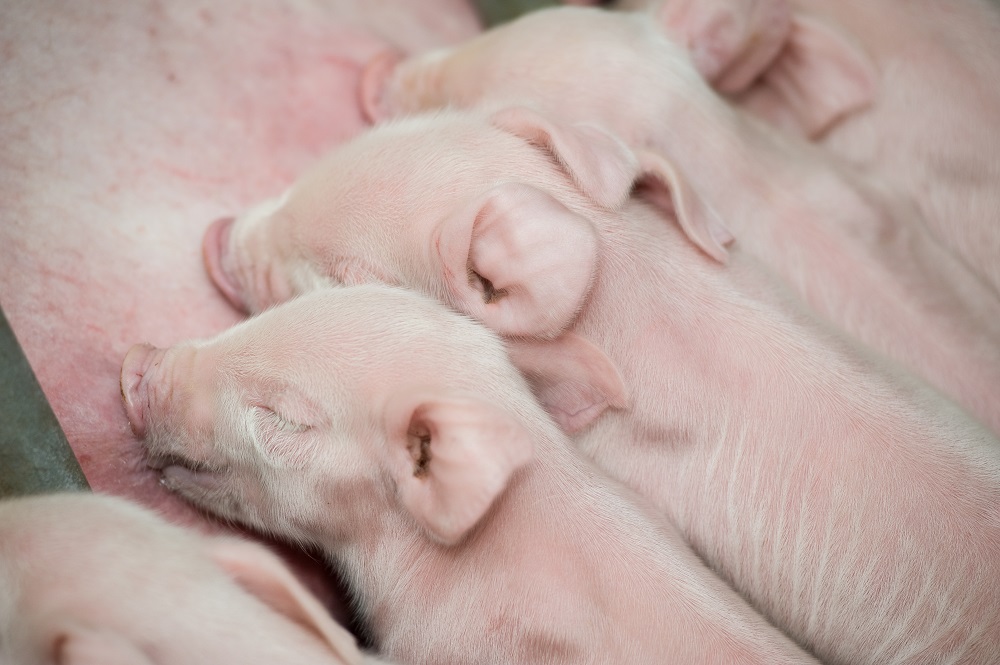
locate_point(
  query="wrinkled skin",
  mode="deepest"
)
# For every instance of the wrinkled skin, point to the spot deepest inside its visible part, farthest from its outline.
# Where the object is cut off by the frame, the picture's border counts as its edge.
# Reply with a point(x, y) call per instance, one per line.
point(396, 434)
point(791, 460)
point(88, 579)
point(854, 248)
point(126, 128)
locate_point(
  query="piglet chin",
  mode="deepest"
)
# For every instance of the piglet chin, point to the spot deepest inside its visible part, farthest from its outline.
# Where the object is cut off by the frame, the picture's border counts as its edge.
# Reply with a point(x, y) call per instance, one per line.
point(138, 361)
point(214, 244)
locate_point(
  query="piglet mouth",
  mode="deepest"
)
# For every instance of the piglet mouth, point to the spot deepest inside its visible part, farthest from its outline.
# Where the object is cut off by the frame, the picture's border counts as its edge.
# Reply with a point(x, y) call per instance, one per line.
point(163, 461)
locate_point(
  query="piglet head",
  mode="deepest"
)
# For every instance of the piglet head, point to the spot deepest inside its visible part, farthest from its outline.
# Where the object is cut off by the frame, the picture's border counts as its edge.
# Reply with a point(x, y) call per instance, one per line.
point(491, 213)
point(322, 417)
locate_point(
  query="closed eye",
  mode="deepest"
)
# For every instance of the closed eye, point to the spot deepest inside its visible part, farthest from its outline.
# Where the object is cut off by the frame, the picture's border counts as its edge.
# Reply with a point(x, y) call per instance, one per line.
point(280, 423)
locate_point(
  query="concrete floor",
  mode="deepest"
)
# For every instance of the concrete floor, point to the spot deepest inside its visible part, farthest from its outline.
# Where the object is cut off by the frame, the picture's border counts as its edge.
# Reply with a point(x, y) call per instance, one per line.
point(34, 454)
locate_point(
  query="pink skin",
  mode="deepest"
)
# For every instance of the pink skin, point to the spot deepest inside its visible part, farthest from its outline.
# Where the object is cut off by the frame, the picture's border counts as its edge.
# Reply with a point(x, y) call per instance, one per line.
point(88, 580)
point(396, 435)
point(731, 41)
point(902, 89)
point(799, 467)
point(932, 130)
point(854, 248)
point(127, 127)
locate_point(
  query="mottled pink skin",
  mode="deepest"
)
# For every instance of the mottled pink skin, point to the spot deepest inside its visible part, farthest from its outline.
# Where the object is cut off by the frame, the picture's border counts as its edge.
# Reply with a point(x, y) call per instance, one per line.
point(932, 130)
point(90, 579)
point(397, 435)
point(854, 507)
point(731, 41)
point(855, 246)
point(127, 127)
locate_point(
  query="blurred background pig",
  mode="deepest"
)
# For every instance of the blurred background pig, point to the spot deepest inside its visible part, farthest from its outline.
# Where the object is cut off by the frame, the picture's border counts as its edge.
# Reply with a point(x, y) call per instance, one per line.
point(933, 127)
point(852, 505)
point(93, 580)
point(396, 434)
point(903, 90)
point(857, 250)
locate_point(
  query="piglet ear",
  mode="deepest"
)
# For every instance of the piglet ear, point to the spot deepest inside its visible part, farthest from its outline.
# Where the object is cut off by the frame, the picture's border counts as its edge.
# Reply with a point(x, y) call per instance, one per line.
point(817, 79)
point(373, 86)
point(600, 164)
point(451, 458)
point(263, 575)
point(84, 646)
point(518, 260)
point(664, 186)
point(573, 379)
point(731, 43)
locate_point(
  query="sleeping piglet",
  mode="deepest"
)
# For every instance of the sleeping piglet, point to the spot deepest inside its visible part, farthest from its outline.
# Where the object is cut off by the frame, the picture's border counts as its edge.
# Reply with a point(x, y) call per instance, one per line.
point(395, 434)
point(855, 507)
point(857, 252)
point(94, 580)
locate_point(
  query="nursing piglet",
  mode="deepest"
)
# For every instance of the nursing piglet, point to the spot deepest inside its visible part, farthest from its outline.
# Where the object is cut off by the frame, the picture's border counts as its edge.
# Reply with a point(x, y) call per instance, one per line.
point(396, 435)
point(855, 507)
point(94, 580)
point(857, 252)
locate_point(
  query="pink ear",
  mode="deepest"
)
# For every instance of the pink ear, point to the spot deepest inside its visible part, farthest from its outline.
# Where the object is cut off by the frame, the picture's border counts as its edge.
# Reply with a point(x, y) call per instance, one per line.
point(83, 646)
point(601, 165)
point(372, 87)
point(573, 379)
point(667, 189)
point(731, 41)
point(819, 78)
point(451, 459)
point(261, 574)
point(518, 260)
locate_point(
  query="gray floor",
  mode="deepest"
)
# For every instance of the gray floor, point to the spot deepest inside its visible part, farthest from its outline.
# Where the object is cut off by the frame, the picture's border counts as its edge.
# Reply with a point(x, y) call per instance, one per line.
point(34, 454)
point(498, 11)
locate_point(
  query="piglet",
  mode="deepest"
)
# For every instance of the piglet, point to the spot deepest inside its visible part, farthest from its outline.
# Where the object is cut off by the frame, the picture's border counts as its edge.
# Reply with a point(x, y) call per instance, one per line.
point(396, 435)
point(932, 127)
point(857, 251)
point(851, 504)
point(94, 580)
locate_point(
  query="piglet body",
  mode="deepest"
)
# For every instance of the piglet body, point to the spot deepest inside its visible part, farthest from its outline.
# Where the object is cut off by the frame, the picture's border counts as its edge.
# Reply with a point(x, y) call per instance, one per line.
point(931, 127)
point(88, 579)
point(858, 251)
point(468, 528)
point(854, 506)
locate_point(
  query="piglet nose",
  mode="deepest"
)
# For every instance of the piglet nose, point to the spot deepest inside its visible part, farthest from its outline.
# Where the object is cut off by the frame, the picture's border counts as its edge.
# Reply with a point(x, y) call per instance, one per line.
point(138, 361)
point(214, 246)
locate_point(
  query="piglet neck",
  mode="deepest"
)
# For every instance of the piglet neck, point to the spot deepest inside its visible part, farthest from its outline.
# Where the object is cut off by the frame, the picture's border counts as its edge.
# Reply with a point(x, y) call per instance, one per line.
point(553, 513)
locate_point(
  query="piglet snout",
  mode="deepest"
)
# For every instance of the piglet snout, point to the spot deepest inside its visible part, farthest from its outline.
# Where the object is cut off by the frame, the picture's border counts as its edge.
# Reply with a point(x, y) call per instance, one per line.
point(214, 246)
point(138, 362)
